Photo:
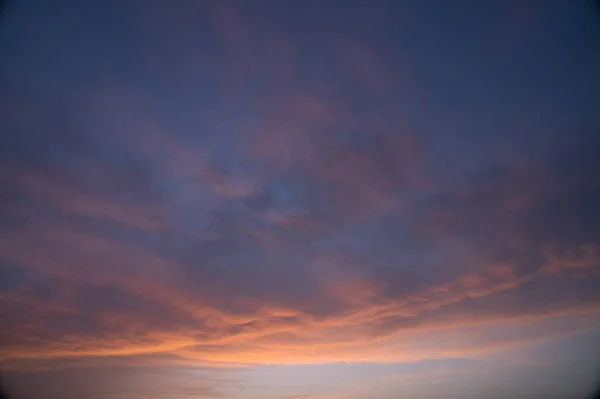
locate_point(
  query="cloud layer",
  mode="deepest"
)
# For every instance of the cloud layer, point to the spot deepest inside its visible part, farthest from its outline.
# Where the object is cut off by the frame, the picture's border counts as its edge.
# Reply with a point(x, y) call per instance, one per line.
point(260, 193)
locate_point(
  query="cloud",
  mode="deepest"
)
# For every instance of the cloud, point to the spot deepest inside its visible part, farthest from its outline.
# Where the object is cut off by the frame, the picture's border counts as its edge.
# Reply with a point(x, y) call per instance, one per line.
point(226, 295)
point(306, 227)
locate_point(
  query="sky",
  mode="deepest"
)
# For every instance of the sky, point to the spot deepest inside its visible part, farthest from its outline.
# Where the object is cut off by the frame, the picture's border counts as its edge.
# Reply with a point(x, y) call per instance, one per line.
point(311, 199)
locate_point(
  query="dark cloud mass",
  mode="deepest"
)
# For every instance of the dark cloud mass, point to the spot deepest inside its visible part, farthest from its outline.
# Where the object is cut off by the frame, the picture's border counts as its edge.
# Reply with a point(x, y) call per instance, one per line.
point(212, 185)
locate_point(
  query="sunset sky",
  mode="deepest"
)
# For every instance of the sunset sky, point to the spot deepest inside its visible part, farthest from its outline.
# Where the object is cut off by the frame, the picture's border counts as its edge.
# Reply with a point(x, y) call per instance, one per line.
point(316, 199)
